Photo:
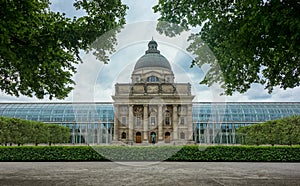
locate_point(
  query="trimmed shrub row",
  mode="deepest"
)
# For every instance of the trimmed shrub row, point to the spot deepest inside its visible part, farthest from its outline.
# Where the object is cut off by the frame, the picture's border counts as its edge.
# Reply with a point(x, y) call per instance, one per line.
point(283, 131)
point(20, 131)
point(169, 153)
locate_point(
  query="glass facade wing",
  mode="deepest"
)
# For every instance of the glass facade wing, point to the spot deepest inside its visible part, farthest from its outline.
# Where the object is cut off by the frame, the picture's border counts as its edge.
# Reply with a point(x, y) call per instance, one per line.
point(93, 122)
point(59, 112)
point(243, 112)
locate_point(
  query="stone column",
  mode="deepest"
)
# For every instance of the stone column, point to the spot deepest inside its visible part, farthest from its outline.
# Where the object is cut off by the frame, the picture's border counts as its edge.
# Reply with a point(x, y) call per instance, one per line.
point(145, 124)
point(189, 122)
point(116, 123)
point(130, 123)
point(160, 123)
point(175, 123)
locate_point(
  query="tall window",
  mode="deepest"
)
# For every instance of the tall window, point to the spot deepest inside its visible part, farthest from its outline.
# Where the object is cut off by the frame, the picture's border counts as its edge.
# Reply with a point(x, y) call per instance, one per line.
point(123, 120)
point(167, 120)
point(152, 79)
point(181, 120)
point(138, 121)
point(152, 120)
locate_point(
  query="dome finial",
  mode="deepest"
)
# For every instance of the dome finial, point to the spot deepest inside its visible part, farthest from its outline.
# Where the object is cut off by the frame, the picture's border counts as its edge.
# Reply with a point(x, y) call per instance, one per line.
point(152, 47)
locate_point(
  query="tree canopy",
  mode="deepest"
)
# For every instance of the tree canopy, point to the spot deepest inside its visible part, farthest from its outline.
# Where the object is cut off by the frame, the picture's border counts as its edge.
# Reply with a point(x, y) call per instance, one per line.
point(39, 48)
point(253, 41)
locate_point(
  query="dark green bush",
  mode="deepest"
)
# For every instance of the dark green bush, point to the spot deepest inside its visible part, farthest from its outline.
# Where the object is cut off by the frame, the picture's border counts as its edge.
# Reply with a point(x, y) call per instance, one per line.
point(169, 153)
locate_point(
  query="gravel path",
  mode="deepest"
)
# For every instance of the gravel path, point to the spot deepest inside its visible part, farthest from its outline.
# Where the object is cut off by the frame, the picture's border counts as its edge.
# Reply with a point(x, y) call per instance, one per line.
point(148, 173)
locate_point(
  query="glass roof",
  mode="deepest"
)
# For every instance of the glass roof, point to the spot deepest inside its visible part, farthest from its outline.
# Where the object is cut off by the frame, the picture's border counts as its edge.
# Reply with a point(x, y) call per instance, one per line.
point(243, 112)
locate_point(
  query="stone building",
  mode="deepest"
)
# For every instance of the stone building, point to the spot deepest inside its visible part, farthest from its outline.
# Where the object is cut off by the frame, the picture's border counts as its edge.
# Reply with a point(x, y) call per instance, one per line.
point(152, 108)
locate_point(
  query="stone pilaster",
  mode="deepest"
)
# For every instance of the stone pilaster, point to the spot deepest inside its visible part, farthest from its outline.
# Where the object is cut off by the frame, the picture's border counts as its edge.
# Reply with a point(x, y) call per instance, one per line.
point(130, 123)
point(189, 122)
point(146, 120)
point(116, 123)
point(175, 123)
point(160, 123)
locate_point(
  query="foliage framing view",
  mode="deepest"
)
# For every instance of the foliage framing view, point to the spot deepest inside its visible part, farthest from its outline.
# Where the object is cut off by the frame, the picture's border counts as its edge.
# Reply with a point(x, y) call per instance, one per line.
point(40, 48)
point(254, 41)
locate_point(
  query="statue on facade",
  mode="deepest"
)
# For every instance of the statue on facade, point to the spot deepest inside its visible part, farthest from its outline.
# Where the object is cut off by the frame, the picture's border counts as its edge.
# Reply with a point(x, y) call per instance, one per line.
point(153, 137)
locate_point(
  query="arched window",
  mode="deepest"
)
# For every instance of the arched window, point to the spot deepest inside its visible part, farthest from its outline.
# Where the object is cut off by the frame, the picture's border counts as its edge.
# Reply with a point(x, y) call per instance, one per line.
point(138, 137)
point(167, 137)
point(123, 135)
point(152, 79)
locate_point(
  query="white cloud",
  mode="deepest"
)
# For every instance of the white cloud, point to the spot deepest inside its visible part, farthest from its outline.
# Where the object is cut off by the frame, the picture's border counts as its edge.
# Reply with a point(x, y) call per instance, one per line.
point(67, 7)
point(140, 11)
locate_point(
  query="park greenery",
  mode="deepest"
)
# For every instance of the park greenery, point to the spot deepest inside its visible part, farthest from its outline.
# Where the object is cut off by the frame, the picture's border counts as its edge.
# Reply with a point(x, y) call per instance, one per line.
point(285, 131)
point(151, 153)
point(39, 48)
point(245, 42)
point(20, 132)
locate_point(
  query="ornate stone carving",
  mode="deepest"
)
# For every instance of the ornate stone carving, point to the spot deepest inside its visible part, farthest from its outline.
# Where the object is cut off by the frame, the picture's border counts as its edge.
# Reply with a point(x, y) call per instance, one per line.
point(138, 110)
point(152, 88)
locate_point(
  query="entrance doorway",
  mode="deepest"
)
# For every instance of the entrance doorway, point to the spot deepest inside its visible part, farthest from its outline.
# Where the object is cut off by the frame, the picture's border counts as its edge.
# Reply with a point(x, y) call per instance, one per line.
point(167, 137)
point(138, 137)
point(153, 137)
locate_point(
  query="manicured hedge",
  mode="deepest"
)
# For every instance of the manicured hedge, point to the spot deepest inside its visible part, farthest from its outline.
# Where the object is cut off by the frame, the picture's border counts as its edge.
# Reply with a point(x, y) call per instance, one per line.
point(48, 153)
point(20, 131)
point(169, 153)
point(284, 131)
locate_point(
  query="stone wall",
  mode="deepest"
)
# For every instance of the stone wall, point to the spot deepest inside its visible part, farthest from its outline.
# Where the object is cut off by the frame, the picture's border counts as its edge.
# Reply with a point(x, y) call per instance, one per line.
point(153, 88)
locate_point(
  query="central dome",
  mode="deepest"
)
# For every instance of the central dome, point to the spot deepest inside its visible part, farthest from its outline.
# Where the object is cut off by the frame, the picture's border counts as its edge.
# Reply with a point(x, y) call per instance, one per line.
point(152, 58)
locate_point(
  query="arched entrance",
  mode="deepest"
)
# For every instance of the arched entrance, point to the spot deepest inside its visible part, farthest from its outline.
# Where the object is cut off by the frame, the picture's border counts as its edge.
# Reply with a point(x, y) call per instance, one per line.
point(123, 135)
point(153, 137)
point(167, 137)
point(138, 137)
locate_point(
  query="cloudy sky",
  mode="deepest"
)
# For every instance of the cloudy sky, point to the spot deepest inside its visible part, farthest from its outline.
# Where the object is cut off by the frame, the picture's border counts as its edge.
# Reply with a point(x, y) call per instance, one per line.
point(95, 81)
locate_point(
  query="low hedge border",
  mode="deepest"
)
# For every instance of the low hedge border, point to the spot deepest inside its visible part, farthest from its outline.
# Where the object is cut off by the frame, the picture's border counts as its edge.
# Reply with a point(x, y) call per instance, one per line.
point(152, 153)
